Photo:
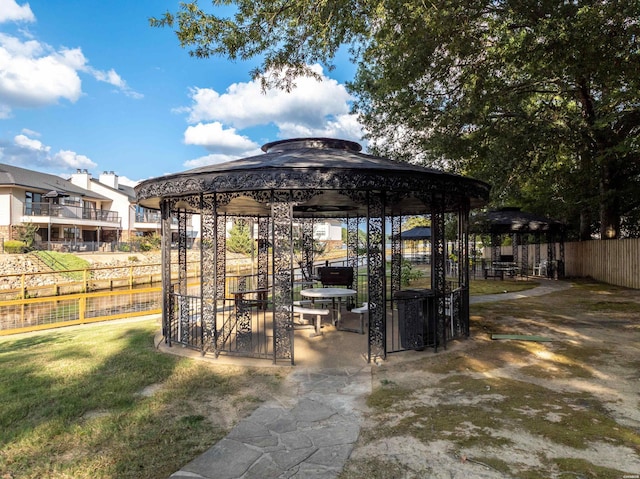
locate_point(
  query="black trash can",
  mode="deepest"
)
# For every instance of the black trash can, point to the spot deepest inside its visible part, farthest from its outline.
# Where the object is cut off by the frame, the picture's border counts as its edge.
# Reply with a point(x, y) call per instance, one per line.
point(416, 318)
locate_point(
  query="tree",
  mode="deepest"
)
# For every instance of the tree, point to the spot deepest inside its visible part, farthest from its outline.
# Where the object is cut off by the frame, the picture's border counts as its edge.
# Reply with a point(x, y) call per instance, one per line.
point(239, 240)
point(26, 233)
point(541, 99)
point(415, 222)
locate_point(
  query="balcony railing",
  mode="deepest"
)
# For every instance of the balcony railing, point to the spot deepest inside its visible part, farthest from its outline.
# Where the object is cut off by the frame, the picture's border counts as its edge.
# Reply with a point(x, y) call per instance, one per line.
point(148, 217)
point(71, 212)
point(154, 218)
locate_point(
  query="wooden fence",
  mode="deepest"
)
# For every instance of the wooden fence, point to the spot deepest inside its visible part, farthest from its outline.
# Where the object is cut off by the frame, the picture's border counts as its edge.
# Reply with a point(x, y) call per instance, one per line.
point(614, 262)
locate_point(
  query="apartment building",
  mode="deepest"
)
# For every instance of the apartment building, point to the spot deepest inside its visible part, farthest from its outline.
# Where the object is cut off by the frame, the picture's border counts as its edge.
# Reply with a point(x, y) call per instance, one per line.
point(72, 214)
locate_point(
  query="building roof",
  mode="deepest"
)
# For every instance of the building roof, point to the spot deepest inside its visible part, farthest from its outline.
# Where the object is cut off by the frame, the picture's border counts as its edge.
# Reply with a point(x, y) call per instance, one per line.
point(41, 182)
point(126, 190)
point(416, 233)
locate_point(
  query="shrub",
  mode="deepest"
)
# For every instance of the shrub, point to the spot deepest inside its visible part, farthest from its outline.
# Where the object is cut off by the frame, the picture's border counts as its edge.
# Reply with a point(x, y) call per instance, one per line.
point(14, 246)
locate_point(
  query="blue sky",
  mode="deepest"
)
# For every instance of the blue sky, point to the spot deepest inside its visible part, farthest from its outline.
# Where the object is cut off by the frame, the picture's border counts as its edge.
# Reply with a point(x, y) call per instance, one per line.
point(88, 84)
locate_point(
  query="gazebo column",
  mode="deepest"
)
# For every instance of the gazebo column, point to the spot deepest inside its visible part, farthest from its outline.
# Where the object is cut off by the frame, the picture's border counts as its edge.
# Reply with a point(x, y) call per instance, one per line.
point(185, 312)
point(495, 247)
point(167, 300)
point(352, 250)
point(396, 254)
point(307, 240)
point(463, 267)
point(561, 267)
point(377, 277)
point(551, 256)
point(224, 327)
point(524, 246)
point(208, 267)
point(438, 266)
point(515, 245)
point(282, 216)
point(263, 252)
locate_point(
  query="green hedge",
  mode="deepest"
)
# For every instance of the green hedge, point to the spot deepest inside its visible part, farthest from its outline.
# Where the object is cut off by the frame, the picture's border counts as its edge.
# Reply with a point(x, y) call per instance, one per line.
point(13, 247)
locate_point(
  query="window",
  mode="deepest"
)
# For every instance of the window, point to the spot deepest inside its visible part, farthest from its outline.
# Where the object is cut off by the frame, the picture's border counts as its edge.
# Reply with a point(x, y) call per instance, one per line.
point(34, 204)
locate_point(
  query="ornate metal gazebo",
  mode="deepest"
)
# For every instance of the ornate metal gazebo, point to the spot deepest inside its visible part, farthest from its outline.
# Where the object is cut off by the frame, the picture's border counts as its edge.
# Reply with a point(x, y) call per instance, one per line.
point(297, 182)
point(525, 229)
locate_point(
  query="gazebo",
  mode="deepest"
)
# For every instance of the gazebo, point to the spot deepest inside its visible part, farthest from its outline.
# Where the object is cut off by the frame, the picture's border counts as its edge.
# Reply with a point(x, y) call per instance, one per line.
point(294, 183)
point(524, 229)
point(413, 237)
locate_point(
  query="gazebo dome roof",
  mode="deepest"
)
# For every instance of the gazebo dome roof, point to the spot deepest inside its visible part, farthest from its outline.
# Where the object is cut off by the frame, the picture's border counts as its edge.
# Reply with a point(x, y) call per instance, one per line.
point(513, 220)
point(329, 167)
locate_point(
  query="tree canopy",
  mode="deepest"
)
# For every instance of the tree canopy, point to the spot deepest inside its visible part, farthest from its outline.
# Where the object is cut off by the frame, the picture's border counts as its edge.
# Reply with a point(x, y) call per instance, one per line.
point(541, 99)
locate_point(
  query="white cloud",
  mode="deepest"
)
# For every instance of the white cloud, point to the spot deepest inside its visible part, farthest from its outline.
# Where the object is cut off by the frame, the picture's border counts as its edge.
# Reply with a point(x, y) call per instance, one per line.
point(29, 132)
point(29, 152)
point(72, 160)
point(310, 104)
point(30, 80)
point(214, 137)
point(29, 143)
point(34, 74)
point(10, 11)
point(342, 126)
point(123, 180)
point(209, 160)
point(112, 78)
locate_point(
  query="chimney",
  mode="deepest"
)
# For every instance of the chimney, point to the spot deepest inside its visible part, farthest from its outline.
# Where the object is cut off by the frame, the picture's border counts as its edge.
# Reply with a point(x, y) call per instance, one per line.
point(109, 178)
point(81, 178)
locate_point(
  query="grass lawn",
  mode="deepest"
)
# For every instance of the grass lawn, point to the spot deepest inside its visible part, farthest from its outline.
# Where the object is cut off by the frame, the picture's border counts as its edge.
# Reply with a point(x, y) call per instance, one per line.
point(77, 403)
point(509, 408)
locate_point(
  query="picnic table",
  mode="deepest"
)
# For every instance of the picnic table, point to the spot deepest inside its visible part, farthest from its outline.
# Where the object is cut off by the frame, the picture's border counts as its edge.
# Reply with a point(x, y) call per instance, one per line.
point(497, 269)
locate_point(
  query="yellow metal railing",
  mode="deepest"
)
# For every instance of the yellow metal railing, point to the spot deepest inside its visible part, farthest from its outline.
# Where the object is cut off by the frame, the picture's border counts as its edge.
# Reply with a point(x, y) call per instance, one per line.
point(33, 314)
point(32, 306)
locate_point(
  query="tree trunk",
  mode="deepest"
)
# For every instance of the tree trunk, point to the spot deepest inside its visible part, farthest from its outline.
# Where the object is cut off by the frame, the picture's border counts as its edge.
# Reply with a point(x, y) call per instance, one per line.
point(609, 205)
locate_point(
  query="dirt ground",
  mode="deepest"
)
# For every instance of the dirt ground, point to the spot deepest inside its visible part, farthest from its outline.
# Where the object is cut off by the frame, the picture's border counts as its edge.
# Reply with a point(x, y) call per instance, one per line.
point(566, 404)
point(563, 404)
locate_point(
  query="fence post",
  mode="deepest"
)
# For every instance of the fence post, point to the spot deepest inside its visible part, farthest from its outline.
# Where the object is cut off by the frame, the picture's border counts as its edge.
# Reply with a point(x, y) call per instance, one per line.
point(82, 307)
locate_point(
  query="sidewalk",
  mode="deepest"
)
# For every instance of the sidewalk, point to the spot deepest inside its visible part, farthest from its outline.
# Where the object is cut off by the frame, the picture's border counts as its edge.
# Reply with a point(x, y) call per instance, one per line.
point(309, 437)
point(546, 286)
point(311, 434)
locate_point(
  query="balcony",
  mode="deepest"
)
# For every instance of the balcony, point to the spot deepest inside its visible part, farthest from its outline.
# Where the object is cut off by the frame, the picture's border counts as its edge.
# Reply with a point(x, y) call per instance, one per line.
point(154, 218)
point(71, 212)
point(148, 216)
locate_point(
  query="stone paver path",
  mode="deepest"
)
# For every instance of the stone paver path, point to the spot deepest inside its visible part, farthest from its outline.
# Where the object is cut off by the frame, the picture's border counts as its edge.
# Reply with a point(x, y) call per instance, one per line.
point(309, 435)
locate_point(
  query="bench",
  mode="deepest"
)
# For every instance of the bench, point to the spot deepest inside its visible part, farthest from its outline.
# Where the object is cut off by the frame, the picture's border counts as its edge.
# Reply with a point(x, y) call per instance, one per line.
point(361, 311)
point(318, 313)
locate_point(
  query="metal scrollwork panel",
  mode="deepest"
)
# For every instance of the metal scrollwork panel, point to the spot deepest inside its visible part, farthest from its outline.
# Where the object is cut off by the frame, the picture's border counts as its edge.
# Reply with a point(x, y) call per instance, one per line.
point(396, 254)
point(495, 247)
point(352, 248)
point(167, 288)
point(208, 277)
point(377, 274)
point(438, 268)
point(307, 242)
point(263, 252)
point(221, 255)
point(524, 249)
point(282, 214)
